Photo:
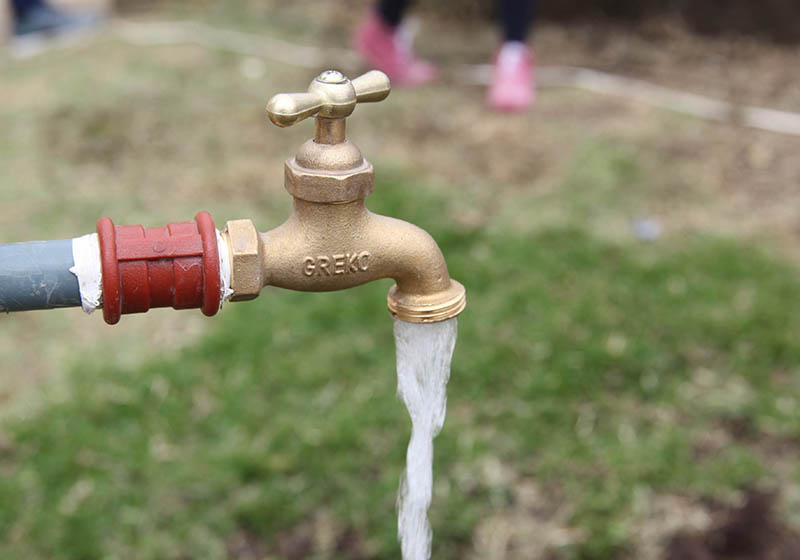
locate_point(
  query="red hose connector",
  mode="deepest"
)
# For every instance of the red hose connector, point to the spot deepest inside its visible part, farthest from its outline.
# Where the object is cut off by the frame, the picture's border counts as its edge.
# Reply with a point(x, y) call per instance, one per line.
point(174, 266)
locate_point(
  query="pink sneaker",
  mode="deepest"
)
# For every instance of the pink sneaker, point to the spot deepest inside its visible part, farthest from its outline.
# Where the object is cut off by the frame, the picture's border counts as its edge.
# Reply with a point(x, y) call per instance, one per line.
point(513, 86)
point(388, 49)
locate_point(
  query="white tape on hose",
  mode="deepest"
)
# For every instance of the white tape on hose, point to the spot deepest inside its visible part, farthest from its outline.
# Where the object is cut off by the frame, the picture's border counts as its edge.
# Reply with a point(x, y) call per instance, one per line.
point(87, 267)
point(225, 291)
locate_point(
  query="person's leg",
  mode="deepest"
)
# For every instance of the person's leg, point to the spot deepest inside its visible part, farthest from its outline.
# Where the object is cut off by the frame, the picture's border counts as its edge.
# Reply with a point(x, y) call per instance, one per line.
point(38, 16)
point(518, 17)
point(22, 7)
point(513, 77)
point(382, 44)
point(392, 11)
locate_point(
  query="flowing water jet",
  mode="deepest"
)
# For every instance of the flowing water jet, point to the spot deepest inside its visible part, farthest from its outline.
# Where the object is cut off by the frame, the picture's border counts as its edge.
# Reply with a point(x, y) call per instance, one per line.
point(424, 352)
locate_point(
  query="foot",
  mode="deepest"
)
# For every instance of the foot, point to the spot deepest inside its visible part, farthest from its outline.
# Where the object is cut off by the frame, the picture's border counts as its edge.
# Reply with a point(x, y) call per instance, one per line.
point(388, 49)
point(513, 86)
point(46, 19)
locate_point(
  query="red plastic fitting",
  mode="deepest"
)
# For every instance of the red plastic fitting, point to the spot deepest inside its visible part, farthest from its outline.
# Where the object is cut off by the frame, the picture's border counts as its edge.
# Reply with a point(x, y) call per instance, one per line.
point(174, 266)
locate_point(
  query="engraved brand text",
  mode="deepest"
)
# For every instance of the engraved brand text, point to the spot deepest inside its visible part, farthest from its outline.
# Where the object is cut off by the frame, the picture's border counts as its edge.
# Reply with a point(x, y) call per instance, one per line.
point(335, 265)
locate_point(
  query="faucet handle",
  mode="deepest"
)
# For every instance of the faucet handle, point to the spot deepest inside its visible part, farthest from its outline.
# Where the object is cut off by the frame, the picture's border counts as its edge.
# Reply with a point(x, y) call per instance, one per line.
point(372, 87)
point(286, 109)
point(331, 95)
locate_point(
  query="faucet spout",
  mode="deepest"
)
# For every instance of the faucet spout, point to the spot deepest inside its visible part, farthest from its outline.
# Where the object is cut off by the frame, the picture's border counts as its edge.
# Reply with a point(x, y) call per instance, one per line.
point(325, 247)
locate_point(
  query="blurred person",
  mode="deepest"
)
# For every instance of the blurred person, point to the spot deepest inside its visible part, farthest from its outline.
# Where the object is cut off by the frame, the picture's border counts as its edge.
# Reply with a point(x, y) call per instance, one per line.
point(383, 43)
point(38, 16)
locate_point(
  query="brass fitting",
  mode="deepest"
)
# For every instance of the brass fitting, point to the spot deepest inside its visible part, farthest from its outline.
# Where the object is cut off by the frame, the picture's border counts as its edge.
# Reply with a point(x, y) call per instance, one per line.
point(331, 241)
point(244, 245)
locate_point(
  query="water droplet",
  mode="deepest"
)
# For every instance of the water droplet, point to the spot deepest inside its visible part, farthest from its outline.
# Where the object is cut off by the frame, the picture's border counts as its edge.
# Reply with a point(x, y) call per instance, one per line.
point(331, 77)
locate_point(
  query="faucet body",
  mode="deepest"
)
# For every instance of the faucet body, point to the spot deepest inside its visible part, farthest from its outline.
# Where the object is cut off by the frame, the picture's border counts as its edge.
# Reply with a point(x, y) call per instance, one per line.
point(325, 247)
point(338, 244)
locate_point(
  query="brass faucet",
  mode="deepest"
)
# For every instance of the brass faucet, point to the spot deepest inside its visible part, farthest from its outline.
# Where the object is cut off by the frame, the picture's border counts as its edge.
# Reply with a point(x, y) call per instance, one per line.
point(331, 241)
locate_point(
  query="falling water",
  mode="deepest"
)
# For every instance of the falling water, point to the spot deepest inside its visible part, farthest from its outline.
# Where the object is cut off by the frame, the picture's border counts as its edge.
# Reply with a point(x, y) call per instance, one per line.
point(424, 352)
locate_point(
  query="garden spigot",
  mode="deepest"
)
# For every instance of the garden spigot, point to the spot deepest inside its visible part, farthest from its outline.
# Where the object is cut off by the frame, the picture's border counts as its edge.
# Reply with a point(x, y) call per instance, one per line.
point(331, 241)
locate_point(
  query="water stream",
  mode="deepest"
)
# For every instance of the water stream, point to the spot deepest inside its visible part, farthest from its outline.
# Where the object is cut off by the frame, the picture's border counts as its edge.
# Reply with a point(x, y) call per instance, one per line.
point(424, 352)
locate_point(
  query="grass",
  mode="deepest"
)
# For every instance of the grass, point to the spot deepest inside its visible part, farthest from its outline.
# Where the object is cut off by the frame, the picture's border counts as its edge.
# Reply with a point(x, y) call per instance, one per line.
point(592, 368)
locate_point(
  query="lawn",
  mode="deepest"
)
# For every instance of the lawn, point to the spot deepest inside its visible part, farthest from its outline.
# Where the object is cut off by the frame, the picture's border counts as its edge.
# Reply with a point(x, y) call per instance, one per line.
point(606, 393)
point(598, 374)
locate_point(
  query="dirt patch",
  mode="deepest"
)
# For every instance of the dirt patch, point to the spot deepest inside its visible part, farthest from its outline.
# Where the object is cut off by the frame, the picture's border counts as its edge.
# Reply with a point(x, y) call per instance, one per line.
point(535, 524)
point(753, 530)
point(699, 176)
point(246, 545)
point(319, 534)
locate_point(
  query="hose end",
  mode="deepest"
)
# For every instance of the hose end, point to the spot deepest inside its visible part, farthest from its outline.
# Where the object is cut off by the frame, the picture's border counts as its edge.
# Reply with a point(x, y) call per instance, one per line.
point(174, 266)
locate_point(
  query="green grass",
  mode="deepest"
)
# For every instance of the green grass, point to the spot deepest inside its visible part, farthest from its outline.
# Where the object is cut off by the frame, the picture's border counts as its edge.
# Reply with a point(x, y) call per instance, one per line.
point(589, 367)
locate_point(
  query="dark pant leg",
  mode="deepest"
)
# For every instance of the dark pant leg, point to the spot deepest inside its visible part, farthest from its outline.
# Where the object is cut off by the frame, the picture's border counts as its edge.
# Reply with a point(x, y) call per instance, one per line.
point(518, 16)
point(22, 7)
point(392, 11)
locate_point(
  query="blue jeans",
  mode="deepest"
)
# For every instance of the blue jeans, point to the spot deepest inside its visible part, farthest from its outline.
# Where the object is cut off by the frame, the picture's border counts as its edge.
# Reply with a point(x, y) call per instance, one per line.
point(518, 16)
point(22, 7)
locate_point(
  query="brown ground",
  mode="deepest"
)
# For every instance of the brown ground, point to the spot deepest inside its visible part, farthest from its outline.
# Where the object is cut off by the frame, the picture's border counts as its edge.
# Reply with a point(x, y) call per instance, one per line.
point(700, 176)
point(750, 531)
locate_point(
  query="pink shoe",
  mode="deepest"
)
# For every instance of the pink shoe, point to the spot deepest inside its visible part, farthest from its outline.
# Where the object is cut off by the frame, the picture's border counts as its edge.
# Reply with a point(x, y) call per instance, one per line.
point(388, 49)
point(513, 86)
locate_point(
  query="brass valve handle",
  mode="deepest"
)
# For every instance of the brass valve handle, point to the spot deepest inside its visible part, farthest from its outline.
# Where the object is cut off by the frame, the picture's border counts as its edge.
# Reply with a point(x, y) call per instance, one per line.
point(331, 95)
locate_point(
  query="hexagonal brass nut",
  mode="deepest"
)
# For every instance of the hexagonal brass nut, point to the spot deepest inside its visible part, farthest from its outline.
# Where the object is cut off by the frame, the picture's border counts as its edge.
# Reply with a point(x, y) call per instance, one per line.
point(245, 247)
point(328, 186)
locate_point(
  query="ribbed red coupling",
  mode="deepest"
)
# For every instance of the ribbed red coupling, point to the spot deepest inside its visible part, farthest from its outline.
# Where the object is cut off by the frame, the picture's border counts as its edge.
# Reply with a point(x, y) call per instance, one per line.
point(174, 266)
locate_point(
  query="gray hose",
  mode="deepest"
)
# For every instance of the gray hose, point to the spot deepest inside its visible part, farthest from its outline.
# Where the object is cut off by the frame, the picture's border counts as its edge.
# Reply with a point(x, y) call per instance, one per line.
point(35, 275)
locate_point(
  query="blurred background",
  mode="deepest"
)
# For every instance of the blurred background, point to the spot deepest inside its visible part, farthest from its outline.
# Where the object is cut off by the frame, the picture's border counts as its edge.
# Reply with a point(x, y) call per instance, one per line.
point(625, 384)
